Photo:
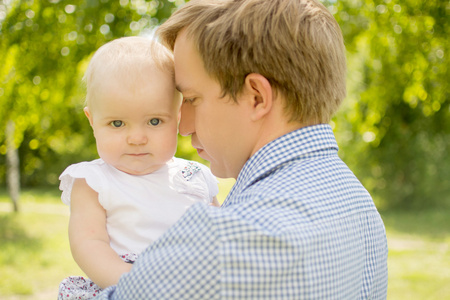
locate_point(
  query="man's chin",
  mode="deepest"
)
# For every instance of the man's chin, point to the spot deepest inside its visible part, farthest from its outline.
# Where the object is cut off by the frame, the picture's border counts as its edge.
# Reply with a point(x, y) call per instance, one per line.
point(217, 171)
point(202, 153)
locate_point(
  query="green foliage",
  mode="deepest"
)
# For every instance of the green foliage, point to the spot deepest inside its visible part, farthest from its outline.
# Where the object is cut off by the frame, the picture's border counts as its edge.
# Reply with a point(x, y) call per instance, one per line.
point(394, 128)
point(45, 46)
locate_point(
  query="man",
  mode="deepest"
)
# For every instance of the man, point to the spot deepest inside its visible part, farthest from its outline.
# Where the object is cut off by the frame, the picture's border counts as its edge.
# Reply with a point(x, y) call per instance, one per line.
point(260, 81)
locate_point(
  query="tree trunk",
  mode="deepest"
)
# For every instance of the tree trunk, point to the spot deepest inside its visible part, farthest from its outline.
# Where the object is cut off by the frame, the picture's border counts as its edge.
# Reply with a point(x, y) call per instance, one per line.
point(12, 166)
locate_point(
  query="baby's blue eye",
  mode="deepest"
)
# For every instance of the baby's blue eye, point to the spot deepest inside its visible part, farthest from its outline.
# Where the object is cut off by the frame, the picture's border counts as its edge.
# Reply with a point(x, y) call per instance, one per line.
point(154, 122)
point(117, 123)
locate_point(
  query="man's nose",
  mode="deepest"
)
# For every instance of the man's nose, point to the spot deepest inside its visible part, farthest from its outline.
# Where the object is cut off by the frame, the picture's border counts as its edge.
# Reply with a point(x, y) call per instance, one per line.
point(187, 122)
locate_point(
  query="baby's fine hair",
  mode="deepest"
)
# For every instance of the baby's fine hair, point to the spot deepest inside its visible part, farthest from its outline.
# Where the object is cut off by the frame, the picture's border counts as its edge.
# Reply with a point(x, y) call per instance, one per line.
point(296, 44)
point(126, 59)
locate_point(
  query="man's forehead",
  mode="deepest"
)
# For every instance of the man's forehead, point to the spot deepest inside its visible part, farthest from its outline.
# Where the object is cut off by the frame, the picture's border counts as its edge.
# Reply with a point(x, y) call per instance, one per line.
point(187, 61)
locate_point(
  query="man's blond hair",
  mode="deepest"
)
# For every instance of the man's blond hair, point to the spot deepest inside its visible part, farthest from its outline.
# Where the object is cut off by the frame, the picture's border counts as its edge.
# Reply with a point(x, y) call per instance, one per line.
point(296, 44)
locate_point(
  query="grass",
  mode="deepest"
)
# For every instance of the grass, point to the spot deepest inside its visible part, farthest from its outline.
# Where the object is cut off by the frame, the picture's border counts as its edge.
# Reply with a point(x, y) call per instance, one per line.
point(35, 254)
point(34, 247)
point(419, 254)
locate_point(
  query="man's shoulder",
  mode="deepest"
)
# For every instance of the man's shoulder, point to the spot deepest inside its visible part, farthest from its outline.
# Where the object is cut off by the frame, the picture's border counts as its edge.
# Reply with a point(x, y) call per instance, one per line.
point(306, 175)
point(318, 187)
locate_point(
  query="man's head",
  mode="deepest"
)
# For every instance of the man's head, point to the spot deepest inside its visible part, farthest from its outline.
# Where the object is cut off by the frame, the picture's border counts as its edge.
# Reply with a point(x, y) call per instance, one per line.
point(296, 44)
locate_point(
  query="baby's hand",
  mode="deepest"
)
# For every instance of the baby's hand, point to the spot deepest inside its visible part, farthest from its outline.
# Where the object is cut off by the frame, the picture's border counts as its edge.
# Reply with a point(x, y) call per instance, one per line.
point(214, 202)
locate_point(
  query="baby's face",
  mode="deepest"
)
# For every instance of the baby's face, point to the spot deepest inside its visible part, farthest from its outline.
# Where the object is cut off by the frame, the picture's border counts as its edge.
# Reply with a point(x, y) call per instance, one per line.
point(135, 126)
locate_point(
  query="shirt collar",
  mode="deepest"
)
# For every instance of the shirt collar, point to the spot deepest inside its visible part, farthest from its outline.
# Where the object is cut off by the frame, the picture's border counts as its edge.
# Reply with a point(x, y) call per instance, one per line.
point(291, 146)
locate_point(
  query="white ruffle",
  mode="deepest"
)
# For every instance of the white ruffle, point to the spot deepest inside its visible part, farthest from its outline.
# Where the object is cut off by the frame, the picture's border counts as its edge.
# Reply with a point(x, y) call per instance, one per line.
point(87, 170)
point(189, 180)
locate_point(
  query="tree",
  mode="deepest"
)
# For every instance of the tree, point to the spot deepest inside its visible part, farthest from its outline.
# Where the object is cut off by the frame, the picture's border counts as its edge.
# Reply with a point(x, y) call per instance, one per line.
point(393, 128)
point(396, 121)
point(45, 46)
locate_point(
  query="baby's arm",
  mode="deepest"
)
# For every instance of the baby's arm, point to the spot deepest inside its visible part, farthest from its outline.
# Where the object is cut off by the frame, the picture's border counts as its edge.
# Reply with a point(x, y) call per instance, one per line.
point(89, 240)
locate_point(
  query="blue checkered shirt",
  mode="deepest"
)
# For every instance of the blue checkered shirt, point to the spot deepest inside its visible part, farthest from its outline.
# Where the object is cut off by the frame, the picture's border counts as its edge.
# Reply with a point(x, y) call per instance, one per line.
point(296, 225)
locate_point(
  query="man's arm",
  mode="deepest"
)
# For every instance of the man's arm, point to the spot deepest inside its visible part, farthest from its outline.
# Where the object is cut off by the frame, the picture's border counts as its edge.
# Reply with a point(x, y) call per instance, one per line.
point(183, 264)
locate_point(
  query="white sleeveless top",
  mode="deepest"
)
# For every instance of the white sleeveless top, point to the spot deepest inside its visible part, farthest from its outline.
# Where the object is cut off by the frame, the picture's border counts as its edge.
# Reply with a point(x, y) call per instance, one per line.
point(140, 208)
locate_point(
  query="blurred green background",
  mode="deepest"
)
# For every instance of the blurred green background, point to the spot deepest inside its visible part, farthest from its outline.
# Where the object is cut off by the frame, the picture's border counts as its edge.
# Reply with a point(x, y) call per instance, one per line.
point(393, 128)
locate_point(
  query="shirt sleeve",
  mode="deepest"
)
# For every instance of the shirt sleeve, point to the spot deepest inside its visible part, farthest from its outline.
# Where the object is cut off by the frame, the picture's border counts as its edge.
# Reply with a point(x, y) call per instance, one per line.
point(90, 171)
point(211, 181)
point(182, 264)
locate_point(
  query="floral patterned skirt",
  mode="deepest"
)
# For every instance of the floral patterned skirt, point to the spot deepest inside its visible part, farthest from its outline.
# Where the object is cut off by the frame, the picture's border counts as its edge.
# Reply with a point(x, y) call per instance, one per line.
point(82, 288)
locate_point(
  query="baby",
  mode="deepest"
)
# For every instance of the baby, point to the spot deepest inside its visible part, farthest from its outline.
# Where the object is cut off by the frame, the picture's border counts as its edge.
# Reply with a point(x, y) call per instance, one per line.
point(129, 197)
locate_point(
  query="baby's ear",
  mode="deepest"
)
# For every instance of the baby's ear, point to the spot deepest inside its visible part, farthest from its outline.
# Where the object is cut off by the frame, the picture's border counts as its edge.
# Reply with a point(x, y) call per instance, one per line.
point(88, 115)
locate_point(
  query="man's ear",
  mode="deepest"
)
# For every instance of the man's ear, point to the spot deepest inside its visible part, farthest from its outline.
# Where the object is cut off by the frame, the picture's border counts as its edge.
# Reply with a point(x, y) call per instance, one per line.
point(88, 115)
point(261, 97)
